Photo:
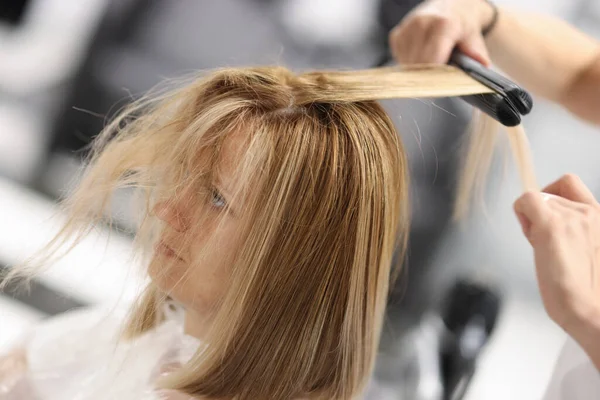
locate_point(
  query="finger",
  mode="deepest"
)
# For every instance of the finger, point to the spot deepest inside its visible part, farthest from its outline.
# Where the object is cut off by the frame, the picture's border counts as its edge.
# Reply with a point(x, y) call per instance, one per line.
point(419, 38)
point(438, 41)
point(533, 207)
point(436, 50)
point(553, 208)
point(555, 201)
point(397, 45)
point(571, 187)
point(525, 224)
point(413, 48)
point(564, 206)
point(536, 211)
point(474, 47)
point(401, 41)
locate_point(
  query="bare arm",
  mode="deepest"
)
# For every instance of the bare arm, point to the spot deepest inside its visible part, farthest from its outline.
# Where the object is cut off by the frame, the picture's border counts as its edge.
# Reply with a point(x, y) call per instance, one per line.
point(547, 56)
point(551, 58)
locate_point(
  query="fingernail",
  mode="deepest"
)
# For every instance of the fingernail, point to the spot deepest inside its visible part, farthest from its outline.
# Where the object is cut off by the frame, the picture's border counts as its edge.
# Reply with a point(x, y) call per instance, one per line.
point(548, 196)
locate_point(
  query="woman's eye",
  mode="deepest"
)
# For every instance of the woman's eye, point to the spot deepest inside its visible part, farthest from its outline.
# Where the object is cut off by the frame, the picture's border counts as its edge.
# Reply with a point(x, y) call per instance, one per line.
point(217, 199)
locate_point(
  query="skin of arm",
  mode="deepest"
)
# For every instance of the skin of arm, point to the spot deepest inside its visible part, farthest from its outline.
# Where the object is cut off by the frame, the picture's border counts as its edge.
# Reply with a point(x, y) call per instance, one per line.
point(544, 54)
point(551, 58)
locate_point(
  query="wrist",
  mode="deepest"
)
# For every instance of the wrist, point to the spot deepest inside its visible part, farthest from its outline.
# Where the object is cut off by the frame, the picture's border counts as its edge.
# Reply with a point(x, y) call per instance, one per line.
point(587, 333)
point(488, 16)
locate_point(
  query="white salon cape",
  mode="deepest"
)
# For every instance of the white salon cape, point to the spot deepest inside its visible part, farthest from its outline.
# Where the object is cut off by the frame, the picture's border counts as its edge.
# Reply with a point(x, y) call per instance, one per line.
point(575, 377)
point(77, 357)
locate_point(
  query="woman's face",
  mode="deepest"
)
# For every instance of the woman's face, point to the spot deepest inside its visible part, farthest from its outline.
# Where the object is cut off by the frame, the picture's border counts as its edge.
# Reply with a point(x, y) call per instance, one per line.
point(193, 259)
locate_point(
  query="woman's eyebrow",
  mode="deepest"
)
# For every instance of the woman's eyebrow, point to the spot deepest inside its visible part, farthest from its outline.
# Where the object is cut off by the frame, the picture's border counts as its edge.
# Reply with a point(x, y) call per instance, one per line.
point(227, 187)
point(223, 192)
point(218, 184)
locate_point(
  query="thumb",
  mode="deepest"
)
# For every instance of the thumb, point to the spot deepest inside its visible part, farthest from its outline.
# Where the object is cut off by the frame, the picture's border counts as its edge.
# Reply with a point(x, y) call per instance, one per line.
point(474, 47)
point(532, 209)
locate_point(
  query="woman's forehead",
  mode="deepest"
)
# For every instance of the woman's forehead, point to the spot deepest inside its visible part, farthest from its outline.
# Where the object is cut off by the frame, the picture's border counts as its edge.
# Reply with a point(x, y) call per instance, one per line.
point(229, 161)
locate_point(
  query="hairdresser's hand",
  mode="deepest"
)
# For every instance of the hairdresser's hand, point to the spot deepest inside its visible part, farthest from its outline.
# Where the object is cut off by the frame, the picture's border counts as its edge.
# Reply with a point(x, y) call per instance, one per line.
point(430, 31)
point(563, 226)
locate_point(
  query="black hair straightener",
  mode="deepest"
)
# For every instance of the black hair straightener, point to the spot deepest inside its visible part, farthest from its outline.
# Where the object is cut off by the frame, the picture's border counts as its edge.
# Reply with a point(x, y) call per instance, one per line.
point(506, 104)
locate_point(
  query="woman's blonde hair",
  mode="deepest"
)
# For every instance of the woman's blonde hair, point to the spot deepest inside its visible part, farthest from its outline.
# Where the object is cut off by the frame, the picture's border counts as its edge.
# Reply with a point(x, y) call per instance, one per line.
point(304, 309)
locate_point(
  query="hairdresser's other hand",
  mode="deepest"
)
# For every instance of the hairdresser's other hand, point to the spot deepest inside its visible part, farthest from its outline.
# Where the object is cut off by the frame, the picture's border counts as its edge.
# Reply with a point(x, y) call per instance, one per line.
point(563, 226)
point(429, 33)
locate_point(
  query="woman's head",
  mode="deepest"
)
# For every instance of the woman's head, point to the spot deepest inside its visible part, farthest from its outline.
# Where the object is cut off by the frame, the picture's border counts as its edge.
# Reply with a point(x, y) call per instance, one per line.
point(272, 204)
point(270, 214)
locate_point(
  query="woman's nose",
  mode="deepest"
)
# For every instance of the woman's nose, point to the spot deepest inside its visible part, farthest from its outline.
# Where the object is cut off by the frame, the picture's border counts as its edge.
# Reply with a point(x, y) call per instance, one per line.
point(167, 212)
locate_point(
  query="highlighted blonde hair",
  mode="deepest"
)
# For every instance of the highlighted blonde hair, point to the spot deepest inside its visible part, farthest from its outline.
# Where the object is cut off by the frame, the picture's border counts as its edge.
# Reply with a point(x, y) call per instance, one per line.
point(329, 207)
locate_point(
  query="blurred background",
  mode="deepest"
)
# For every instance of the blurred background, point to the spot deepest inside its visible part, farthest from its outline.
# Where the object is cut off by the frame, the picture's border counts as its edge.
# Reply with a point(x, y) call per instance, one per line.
point(67, 66)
